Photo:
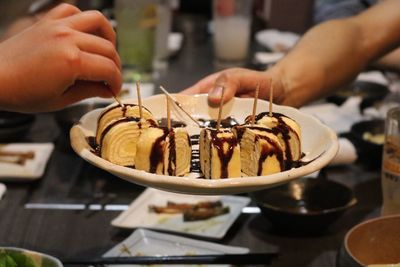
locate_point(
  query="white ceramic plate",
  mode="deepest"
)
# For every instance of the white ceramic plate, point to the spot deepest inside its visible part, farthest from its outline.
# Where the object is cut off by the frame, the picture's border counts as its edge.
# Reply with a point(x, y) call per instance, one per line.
point(138, 214)
point(319, 143)
point(32, 169)
point(149, 243)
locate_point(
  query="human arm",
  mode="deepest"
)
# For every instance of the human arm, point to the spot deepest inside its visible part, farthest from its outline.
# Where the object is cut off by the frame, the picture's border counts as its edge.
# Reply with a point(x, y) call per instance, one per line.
point(67, 56)
point(328, 56)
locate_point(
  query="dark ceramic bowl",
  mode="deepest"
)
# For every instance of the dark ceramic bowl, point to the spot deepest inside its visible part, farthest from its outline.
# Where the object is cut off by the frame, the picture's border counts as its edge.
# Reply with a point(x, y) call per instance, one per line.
point(375, 241)
point(14, 126)
point(66, 117)
point(369, 151)
point(370, 93)
point(305, 205)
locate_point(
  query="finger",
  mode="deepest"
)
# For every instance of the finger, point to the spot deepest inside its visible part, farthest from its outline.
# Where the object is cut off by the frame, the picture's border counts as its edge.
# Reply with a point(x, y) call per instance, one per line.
point(97, 45)
point(100, 69)
point(93, 22)
point(82, 90)
point(62, 11)
point(202, 86)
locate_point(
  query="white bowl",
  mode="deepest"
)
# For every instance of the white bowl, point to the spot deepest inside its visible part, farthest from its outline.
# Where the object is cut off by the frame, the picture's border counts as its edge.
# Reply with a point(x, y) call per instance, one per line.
point(39, 259)
point(319, 143)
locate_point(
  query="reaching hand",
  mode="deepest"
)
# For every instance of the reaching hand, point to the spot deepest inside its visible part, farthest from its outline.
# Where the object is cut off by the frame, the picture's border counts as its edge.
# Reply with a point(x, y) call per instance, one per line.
point(238, 82)
point(65, 57)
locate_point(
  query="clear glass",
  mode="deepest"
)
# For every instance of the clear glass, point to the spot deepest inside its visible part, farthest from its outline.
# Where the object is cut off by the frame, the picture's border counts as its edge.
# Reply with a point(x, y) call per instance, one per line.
point(136, 26)
point(232, 20)
point(391, 164)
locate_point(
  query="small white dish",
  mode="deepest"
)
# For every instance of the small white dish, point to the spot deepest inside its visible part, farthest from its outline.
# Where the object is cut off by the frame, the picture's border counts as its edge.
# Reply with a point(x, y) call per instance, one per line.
point(138, 214)
point(148, 243)
point(31, 169)
point(319, 143)
point(277, 41)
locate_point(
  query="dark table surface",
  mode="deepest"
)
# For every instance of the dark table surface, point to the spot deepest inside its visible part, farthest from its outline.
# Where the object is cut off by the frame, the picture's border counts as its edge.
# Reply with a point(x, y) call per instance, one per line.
point(68, 179)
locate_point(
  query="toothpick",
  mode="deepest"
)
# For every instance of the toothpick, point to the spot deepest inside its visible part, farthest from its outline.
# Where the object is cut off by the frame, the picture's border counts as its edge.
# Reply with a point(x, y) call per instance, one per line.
point(139, 99)
point(168, 113)
point(253, 118)
point(117, 99)
point(179, 105)
point(271, 94)
point(221, 103)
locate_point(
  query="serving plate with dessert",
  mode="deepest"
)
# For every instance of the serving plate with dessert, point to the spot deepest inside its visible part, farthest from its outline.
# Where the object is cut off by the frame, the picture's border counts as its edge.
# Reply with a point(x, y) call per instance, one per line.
point(192, 154)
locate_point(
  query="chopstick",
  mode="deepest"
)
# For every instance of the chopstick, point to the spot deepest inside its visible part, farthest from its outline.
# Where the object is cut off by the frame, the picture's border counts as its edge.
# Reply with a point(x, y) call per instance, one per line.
point(249, 258)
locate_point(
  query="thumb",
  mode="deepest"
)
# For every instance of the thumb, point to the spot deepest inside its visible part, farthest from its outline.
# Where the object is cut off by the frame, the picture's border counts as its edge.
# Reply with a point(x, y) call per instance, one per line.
point(222, 83)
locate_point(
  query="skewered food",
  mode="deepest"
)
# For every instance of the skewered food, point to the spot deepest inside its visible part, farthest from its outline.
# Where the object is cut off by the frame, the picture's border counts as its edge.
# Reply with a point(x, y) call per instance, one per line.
point(219, 154)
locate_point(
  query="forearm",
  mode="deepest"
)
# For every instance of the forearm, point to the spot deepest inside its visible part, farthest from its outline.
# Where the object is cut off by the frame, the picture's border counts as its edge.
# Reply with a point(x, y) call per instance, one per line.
point(391, 61)
point(332, 53)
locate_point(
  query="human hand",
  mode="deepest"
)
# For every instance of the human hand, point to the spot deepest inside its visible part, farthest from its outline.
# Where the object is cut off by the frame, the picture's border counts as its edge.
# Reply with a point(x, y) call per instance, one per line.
point(65, 57)
point(239, 82)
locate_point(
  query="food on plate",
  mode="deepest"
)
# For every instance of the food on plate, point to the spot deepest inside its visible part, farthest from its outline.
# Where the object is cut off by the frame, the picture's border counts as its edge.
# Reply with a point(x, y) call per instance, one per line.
point(261, 152)
point(15, 259)
point(16, 157)
point(115, 112)
point(378, 139)
point(118, 132)
point(202, 210)
point(164, 151)
point(286, 129)
point(219, 154)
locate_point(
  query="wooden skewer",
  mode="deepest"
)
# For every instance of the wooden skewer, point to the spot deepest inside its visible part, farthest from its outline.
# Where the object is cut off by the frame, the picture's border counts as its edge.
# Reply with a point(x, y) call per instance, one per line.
point(253, 118)
point(271, 94)
point(168, 113)
point(179, 105)
point(139, 99)
point(221, 103)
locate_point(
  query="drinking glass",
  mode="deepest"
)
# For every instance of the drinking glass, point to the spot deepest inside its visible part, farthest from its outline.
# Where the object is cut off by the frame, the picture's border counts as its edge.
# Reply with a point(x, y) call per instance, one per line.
point(391, 164)
point(231, 31)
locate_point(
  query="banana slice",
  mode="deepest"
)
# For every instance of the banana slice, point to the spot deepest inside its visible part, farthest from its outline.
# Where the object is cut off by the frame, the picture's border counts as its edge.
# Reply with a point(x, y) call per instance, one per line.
point(288, 132)
point(260, 151)
point(162, 151)
point(115, 112)
point(117, 142)
point(219, 154)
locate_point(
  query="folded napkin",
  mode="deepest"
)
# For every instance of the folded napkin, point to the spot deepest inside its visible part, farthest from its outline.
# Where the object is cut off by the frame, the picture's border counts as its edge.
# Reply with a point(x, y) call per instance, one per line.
point(347, 153)
point(3, 189)
point(277, 41)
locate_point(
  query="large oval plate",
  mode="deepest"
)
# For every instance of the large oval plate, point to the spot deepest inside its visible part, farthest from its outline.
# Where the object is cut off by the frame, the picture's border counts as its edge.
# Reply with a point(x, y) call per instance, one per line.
point(319, 143)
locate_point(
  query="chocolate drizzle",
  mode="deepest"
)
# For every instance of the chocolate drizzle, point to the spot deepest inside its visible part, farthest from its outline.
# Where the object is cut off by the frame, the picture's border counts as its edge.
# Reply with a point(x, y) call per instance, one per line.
point(224, 157)
point(172, 153)
point(268, 152)
point(282, 129)
point(228, 122)
point(157, 151)
point(123, 109)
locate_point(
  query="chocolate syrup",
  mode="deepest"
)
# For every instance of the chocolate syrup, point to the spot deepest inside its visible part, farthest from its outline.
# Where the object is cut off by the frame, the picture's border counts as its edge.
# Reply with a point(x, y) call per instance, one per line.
point(228, 122)
point(124, 110)
point(268, 152)
point(224, 157)
point(163, 122)
point(157, 151)
point(172, 153)
point(280, 129)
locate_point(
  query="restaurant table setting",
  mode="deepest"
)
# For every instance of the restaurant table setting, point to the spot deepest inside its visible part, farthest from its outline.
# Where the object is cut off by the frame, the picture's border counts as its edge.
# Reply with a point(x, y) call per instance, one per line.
point(76, 207)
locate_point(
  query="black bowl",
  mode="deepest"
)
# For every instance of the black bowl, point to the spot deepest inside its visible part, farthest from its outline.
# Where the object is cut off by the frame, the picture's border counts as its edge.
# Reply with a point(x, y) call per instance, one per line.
point(14, 126)
point(376, 241)
point(370, 93)
point(305, 205)
point(369, 151)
